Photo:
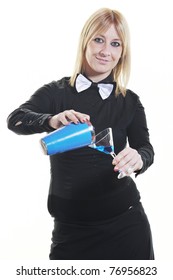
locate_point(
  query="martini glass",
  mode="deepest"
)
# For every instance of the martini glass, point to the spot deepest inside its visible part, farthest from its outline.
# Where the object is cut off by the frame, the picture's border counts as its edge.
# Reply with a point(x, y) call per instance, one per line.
point(104, 143)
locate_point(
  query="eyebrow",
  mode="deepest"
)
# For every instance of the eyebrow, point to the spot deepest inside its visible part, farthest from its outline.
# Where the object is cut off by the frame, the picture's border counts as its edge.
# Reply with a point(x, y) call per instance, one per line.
point(115, 39)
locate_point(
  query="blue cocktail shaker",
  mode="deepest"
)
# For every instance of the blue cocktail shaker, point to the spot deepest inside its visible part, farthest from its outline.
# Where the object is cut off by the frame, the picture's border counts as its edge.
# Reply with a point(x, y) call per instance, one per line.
point(69, 137)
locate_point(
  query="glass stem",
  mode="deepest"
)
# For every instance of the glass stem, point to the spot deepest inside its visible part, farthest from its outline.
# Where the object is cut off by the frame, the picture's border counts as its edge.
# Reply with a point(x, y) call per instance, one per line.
point(113, 154)
point(121, 173)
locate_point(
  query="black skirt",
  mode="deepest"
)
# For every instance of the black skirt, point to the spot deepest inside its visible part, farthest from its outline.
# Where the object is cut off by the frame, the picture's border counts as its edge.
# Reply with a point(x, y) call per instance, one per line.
point(125, 237)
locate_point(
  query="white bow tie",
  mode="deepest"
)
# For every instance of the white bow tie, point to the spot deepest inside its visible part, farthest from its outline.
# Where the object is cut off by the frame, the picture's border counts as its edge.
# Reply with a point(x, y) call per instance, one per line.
point(83, 83)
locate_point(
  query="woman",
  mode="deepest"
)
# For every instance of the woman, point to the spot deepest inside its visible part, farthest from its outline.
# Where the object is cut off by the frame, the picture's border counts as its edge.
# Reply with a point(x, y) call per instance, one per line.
point(96, 215)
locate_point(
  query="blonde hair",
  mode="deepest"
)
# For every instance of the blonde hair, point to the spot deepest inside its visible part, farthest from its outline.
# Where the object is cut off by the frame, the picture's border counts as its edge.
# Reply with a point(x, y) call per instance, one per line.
point(100, 21)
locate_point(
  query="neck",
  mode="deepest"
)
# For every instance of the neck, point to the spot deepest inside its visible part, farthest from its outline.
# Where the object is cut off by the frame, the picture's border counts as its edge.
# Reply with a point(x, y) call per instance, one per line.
point(95, 77)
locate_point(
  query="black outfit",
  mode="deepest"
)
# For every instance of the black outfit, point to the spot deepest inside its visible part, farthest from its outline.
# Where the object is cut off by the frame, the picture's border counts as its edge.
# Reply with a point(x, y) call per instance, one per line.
point(97, 216)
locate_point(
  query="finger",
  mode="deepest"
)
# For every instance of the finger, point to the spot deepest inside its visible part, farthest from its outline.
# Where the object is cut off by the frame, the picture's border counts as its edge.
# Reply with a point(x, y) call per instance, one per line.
point(128, 161)
point(121, 155)
point(56, 121)
point(70, 116)
point(76, 117)
point(133, 160)
point(128, 156)
point(63, 118)
point(130, 166)
point(124, 162)
point(118, 161)
point(117, 158)
point(82, 117)
point(128, 171)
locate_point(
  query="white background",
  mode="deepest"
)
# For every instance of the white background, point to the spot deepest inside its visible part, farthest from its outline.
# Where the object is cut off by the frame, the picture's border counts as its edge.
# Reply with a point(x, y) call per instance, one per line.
point(38, 44)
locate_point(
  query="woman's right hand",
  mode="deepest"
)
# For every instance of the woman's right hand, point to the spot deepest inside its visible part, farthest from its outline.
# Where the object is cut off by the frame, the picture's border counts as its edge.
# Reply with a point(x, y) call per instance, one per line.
point(64, 118)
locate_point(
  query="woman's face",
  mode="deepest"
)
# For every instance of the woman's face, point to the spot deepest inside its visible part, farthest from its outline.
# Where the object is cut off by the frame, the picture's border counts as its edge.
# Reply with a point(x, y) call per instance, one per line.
point(102, 54)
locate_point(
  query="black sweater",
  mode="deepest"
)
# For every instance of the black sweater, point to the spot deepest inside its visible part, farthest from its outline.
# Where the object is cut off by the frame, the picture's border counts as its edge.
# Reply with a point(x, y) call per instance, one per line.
point(83, 185)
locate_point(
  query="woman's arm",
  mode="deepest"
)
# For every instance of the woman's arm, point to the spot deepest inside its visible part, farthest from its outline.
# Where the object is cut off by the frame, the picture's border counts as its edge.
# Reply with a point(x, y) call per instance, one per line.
point(139, 139)
point(38, 114)
point(140, 154)
point(33, 116)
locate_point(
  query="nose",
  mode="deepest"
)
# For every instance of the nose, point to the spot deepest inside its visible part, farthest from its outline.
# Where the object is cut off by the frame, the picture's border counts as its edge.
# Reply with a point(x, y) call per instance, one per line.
point(105, 51)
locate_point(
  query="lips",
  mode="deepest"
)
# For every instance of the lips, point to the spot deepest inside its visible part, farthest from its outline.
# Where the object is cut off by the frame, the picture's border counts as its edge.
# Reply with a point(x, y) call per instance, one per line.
point(101, 60)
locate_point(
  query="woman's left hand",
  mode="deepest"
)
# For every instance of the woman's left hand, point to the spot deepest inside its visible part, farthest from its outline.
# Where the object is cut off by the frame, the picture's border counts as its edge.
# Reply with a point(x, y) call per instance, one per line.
point(127, 161)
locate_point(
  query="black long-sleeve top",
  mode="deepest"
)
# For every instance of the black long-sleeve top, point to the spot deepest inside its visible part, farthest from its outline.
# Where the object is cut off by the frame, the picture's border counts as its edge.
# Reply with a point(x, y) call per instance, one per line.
point(83, 185)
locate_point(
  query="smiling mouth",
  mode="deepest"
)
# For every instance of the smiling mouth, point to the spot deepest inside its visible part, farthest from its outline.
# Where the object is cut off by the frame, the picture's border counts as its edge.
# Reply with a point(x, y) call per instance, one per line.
point(102, 60)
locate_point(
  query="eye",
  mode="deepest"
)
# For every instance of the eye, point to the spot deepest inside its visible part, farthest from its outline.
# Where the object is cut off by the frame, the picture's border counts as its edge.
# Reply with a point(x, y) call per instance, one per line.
point(98, 40)
point(115, 44)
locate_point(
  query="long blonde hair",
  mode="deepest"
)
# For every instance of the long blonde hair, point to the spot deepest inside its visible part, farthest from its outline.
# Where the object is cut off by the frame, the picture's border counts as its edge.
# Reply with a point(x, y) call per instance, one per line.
point(100, 21)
